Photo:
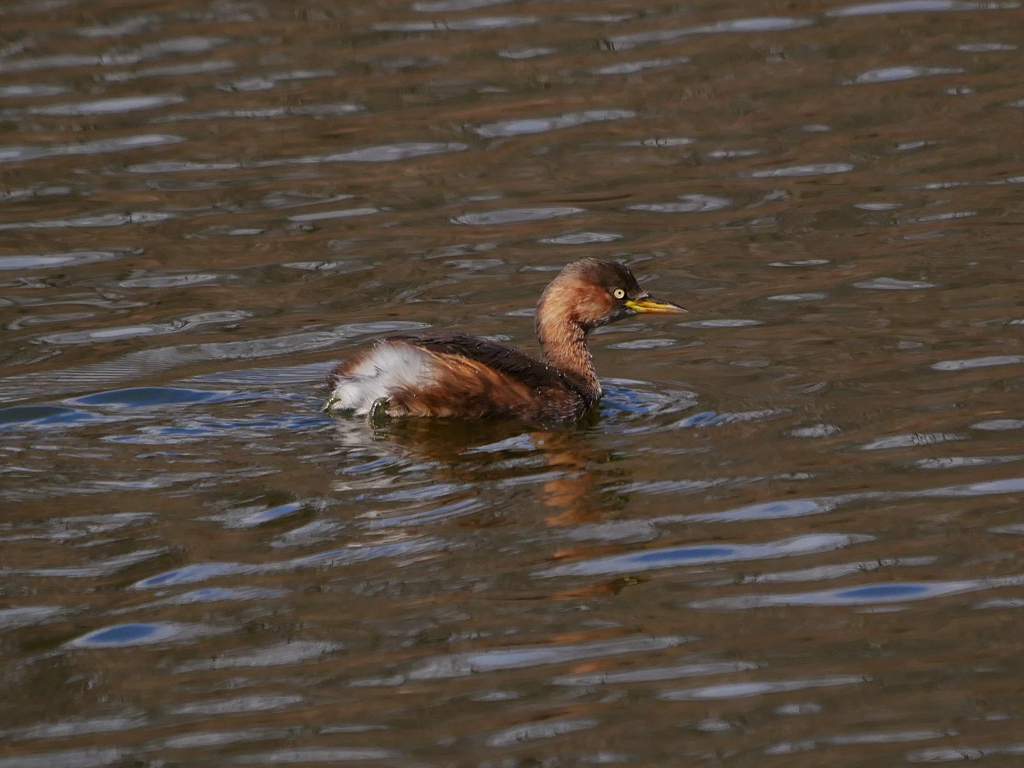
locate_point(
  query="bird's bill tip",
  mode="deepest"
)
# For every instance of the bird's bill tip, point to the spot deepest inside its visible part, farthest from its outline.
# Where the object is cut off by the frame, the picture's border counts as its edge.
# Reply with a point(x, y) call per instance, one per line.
point(652, 306)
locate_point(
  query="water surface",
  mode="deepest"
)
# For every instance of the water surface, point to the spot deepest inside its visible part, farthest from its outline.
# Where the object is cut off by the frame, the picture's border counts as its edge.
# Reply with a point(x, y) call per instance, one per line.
point(790, 536)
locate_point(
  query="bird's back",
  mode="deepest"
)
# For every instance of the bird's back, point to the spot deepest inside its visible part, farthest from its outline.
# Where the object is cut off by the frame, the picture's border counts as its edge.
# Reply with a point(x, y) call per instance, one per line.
point(457, 375)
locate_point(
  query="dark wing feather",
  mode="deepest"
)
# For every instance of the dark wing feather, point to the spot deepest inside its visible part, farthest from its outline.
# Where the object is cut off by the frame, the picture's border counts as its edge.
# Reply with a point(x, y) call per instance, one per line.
point(530, 371)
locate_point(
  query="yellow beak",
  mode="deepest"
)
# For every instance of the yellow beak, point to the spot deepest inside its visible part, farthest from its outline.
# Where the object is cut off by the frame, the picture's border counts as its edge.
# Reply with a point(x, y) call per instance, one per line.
point(653, 306)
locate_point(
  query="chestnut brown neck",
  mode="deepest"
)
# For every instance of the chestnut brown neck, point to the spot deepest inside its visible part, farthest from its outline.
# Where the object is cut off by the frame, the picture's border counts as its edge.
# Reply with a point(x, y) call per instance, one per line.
point(563, 337)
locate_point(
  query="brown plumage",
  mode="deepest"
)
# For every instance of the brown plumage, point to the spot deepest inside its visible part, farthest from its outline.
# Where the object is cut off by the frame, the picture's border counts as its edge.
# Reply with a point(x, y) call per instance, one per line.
point(457, 375)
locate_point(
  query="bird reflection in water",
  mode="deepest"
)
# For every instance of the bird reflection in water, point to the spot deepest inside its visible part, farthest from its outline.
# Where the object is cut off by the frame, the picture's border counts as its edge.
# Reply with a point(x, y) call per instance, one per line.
point(468, 453)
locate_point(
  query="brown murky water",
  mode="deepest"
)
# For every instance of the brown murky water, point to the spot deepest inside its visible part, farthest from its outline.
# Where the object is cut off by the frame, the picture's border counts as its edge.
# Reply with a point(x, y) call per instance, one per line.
point(792, 536)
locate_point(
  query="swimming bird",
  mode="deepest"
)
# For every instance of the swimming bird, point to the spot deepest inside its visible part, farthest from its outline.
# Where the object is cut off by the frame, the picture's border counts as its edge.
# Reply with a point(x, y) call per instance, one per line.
point(457, 375)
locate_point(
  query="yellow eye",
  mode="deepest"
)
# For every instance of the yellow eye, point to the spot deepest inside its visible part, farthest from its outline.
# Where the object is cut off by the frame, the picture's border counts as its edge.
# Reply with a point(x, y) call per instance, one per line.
point(618, 293)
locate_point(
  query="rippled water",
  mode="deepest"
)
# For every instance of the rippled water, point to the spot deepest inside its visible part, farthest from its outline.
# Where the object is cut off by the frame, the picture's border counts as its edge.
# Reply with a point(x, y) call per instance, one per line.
point(791, 536)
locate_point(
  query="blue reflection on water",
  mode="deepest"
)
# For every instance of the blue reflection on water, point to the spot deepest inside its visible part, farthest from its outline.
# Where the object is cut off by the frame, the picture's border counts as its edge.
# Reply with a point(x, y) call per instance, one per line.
point(216, 594)
point(141, 397)
point(267, 515)
point(328, 559)
point(668, 557)
point(122, 635)
point(885, 592)
point(191, 573)
point(771, 510)
point(41, 415)
point(892, 592)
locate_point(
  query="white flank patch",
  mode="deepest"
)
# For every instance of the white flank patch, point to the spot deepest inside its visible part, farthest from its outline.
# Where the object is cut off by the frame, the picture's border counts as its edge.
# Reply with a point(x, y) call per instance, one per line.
point(388, 367)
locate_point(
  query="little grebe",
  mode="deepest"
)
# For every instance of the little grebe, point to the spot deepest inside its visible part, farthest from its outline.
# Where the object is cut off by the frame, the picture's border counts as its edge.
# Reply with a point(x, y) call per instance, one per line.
point(457, 375)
